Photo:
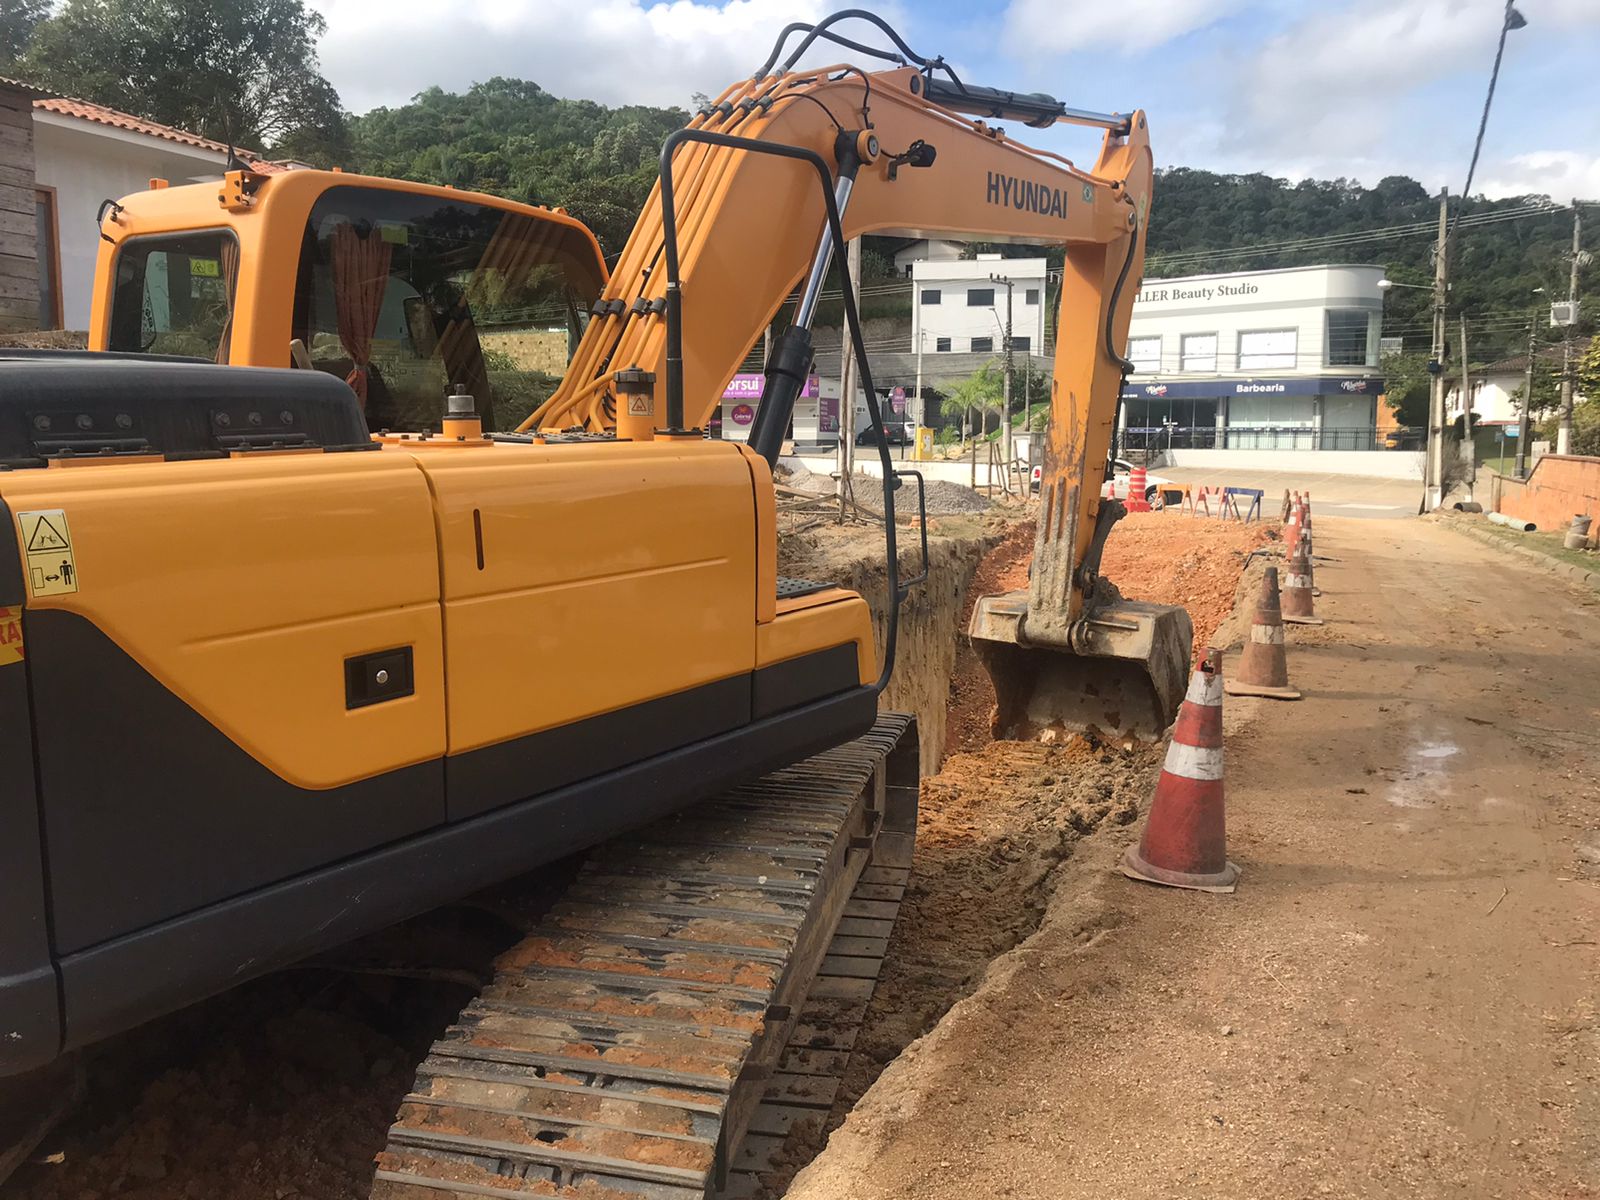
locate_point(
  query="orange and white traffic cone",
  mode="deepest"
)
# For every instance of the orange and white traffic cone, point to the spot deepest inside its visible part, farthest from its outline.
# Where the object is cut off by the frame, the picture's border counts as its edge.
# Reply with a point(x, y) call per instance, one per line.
point(1185, 840)
point(1263, 667)
point(1298, 608)
point(1138, 484)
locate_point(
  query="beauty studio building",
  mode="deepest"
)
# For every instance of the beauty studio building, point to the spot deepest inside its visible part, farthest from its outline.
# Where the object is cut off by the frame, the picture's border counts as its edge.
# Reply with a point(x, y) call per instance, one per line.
point(1278, 363)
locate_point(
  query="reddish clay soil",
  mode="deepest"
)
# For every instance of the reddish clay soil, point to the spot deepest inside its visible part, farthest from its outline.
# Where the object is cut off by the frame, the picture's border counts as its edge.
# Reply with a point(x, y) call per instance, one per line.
point(1400, 998)
point(1166, 557)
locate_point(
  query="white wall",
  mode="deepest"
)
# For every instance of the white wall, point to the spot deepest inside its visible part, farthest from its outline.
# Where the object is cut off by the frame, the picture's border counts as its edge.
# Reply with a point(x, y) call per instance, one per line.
point(954, 318)
point(1384, 464)
point(88, 163)
point(929, 249)
point(1227, 305)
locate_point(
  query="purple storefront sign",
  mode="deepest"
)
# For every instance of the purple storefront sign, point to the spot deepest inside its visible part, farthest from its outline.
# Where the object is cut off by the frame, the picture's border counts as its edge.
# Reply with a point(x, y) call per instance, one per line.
point(827, 414)
point(748, 387)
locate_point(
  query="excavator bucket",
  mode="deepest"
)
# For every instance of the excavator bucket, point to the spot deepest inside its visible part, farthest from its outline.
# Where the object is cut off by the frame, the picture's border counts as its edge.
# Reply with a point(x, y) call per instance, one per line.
point(1123, 672)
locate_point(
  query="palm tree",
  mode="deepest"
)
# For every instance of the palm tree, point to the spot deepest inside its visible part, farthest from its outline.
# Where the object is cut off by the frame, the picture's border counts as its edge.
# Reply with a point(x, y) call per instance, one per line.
point(976, 396)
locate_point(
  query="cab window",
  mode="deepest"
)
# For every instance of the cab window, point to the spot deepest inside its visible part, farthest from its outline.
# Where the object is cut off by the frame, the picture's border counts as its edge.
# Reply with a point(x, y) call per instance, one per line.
point(406, 296)
point(174, 294)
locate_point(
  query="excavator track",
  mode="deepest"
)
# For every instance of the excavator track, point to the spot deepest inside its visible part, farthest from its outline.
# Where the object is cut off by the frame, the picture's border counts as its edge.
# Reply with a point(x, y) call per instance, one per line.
point(629, 1042)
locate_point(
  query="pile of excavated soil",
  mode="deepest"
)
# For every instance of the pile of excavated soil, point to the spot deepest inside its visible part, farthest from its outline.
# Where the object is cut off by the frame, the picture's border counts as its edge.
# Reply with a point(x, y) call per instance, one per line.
point(1165, 557)
point(282, 1088)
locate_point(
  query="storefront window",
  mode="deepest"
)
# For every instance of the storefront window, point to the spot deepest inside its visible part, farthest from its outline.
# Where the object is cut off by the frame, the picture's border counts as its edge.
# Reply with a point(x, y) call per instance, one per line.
point(1347, 338)
point(1199, 352)
point(1267, 349)
point(1145, 353)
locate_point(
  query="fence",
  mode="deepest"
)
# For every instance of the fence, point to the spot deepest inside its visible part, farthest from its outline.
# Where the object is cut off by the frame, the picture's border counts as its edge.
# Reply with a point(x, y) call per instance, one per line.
point(1155, 439)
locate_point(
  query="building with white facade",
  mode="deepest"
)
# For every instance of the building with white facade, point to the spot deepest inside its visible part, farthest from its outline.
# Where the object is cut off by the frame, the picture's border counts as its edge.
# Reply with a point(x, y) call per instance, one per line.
point(957, 308)
point(84, 155)
point(1280, 360)
point(926, 250)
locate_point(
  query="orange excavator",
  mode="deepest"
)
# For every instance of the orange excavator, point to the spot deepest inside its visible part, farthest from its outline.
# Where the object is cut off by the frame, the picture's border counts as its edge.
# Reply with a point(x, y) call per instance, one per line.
point(307, 642)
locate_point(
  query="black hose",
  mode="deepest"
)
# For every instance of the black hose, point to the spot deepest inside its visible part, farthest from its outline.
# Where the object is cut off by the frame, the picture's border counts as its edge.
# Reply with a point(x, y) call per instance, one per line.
point(821, 30)
point(674, 316)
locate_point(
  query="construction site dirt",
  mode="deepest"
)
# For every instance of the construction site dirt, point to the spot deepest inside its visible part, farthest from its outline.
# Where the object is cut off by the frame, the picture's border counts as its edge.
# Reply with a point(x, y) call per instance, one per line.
point(1369, 1015)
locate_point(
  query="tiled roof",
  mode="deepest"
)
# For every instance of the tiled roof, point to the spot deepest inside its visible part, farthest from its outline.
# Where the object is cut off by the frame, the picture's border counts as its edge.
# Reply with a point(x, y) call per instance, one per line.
point(22, 86)
point(101, 115)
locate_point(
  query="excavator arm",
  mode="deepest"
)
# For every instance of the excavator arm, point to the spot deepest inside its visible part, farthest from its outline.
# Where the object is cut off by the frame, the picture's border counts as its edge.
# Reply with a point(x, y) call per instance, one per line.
point(745, 222)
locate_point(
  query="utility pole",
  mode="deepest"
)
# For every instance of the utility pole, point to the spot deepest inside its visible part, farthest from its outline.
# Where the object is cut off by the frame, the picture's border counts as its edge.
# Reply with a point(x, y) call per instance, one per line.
point(847, 386)
point(1527, 405)
point(1005, 429)
point(1469, 450)
point(1433, 484)
point(1564, 432)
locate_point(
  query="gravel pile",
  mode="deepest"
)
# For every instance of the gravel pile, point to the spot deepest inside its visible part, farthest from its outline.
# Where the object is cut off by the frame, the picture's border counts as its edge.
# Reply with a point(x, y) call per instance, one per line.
point(944, 498)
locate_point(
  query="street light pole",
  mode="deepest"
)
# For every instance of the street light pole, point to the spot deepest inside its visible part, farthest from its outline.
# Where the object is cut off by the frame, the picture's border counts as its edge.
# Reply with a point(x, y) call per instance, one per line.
point(1005, 434)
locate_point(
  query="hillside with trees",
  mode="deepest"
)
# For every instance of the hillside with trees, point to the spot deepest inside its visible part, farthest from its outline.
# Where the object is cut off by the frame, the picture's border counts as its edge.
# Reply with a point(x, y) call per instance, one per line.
point(513, 138)
point(246, 71)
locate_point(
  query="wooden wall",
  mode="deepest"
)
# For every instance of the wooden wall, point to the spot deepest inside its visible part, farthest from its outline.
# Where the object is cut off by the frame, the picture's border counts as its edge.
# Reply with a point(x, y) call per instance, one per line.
point(19, 267)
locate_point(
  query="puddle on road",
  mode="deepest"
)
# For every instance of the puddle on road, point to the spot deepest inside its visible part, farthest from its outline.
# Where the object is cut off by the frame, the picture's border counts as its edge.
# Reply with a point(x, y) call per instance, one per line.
point(1424, 782)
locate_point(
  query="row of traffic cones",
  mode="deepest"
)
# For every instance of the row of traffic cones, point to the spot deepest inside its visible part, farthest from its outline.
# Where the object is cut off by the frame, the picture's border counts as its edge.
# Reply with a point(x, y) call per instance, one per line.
point(1185, 842)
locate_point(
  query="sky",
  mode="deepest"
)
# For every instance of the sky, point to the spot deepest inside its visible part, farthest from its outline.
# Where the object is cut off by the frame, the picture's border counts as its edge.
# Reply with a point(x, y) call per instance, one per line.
point(1358, 89)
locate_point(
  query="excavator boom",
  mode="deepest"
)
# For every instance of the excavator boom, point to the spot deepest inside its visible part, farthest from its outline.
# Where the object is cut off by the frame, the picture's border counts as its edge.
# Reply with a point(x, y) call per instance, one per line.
point(681, 311)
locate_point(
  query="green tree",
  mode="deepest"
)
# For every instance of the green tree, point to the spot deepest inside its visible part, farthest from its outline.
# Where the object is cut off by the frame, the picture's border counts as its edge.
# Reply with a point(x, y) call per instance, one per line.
point(18, 19)
point(512, 138)
point(238, 71)
point(1406, 385)
point(1546, 388)
point(975, 397)
point(1588, 380)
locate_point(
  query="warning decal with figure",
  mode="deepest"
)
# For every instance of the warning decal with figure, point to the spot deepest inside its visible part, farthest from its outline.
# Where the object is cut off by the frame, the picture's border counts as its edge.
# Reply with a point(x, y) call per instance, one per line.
point(47, 546)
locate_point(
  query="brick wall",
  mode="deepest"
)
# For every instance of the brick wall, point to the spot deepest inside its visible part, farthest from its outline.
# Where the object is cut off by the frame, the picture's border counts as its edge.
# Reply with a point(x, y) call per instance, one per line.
point(1559, 486)
point(19, 265)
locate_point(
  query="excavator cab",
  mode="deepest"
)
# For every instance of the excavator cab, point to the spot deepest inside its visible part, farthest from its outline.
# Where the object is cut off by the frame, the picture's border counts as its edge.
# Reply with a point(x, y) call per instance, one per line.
point(407, 292)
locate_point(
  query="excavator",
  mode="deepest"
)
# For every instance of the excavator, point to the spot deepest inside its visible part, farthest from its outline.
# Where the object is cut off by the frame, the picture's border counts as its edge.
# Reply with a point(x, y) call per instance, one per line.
point(300, 638)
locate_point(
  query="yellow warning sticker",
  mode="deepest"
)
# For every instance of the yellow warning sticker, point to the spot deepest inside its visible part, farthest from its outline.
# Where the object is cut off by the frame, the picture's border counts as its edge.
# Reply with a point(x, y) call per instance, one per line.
point(47, 546)
point(10, 635)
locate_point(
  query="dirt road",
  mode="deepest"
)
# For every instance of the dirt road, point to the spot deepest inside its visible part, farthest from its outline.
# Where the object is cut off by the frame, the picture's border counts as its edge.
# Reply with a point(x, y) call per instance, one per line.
point(1401, 999)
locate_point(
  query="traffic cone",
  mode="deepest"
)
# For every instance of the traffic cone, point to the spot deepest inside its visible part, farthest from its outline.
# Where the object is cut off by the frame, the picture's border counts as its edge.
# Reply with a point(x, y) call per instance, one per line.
point(1185, 840)
point(1298, 608)
point(1292, 530)
point(1138, 484)
point(1263, 667)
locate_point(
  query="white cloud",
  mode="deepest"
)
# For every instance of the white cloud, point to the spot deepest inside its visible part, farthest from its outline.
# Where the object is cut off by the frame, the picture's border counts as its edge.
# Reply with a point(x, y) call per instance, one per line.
point(1341, 91)
point(1131, 26)
point(381, 52)
point(1560, 174)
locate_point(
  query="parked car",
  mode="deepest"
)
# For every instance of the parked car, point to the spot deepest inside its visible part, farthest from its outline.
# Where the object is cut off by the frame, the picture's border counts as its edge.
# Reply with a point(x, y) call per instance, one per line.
point(1158, 489)
point(898, 433)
